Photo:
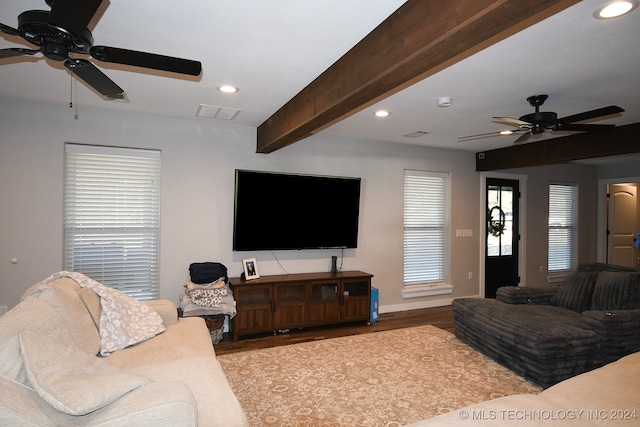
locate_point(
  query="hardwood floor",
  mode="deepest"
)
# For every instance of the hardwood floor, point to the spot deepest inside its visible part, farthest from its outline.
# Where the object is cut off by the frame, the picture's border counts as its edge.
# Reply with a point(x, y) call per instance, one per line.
point(441, 317)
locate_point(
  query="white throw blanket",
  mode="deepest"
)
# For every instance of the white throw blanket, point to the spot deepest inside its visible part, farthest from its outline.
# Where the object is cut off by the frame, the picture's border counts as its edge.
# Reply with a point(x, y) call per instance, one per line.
point(124, 321)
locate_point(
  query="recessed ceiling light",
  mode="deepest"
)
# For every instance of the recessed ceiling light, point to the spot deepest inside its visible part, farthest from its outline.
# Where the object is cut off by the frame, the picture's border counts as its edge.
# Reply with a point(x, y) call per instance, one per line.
point(615, 9)
point(381, 113)
point(506, 132)
point(228, 89)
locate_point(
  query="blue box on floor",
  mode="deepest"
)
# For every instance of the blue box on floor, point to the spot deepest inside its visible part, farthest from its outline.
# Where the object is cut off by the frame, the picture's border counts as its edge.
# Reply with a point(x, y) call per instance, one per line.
point(374, 305)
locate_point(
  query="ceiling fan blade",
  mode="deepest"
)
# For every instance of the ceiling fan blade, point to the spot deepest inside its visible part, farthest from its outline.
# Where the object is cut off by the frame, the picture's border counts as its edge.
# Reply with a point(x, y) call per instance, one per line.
point(8, 30)
point(95, 78)
point(578, 127)
point(73, 15)
point(146, 60)
point(16, 51)
point(480, 135)
point(522, 138)
point(511, 120)
point(491, 134)
point(600, 112)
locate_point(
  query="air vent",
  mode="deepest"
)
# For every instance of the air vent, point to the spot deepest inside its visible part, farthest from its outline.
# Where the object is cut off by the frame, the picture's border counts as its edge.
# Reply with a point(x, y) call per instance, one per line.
point(214, 112)
point(415, 134)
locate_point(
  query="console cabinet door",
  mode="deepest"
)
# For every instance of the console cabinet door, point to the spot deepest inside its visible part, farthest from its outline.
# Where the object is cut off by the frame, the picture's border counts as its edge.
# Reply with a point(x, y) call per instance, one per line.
point(254, 309)
point(290, 306)
point(324, 303)
point(356, 300)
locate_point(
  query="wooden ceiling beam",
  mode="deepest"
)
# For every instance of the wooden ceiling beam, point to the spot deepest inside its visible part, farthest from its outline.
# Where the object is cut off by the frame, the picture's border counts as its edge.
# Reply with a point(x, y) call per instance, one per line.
point(419, 39)
point(620, 140)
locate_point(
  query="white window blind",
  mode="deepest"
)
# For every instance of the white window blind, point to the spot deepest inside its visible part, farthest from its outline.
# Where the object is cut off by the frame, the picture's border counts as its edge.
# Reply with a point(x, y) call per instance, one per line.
point(562, 227)
point(112, 217)
point(425, 227)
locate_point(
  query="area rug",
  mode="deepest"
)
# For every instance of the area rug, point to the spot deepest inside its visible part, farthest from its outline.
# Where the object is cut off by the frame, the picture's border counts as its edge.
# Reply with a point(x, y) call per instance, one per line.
point(388, 378)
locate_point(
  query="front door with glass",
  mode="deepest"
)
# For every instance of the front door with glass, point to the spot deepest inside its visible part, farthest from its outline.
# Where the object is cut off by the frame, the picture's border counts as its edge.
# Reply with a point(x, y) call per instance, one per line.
point(501, 256)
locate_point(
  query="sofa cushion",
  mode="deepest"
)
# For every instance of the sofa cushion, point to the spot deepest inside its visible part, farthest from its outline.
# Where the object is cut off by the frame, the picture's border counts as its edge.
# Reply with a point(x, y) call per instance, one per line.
point(63, 295)
point(613, 389)
point(600, 266)
point(31, 313)
point(70, 380)
point(167, 404)
point(526, 294)
point(616, 291)
point(543, 343)
point(187, 338)
point(576, 291)
point(217, 405)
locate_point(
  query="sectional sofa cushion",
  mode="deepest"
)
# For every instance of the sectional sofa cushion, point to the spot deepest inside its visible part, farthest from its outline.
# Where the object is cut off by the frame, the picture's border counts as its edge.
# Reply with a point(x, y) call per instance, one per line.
point(576, 291)
point(72, 381)
point(599, 266)
point(616, 291)
point(543, 343)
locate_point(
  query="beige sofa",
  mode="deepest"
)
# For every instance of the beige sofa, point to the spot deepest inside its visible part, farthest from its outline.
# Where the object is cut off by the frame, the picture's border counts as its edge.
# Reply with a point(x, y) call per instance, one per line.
point(607, 396)
point(52, 373)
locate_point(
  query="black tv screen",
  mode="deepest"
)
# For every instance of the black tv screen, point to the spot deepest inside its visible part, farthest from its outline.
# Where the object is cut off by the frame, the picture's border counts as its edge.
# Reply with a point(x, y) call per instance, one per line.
point(291, 211)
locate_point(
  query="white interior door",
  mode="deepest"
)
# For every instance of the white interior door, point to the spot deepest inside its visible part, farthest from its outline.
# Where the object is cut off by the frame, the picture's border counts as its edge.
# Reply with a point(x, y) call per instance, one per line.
point(622, 225)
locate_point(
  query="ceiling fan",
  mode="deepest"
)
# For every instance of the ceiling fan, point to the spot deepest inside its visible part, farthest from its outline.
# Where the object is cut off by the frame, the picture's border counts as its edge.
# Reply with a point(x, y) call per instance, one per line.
point(540, 121)
point(63, 32)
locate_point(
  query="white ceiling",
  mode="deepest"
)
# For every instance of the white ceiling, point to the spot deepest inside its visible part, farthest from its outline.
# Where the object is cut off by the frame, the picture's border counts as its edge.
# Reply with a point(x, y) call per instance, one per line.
point(272, 49)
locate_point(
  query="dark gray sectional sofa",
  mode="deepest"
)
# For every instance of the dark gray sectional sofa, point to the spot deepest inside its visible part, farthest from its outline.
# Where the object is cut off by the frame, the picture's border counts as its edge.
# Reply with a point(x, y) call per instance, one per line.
point(551, 333)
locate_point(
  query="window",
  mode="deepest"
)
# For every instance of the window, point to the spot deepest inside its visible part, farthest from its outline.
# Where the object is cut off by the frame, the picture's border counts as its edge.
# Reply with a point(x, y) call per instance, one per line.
point(425, 227)
point(562, 227)
point(112, 217)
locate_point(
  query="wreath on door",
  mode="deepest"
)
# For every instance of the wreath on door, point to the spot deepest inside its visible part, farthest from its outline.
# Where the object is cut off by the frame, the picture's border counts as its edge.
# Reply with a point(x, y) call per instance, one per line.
point(496, 220)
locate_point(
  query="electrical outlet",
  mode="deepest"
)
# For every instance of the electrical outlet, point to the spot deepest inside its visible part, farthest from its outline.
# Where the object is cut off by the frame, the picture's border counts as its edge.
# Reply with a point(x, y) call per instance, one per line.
point(471, 275)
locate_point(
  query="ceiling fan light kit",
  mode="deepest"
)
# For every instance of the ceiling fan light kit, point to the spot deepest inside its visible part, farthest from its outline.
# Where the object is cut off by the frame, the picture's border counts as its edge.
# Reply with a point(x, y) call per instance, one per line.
point(62, 32)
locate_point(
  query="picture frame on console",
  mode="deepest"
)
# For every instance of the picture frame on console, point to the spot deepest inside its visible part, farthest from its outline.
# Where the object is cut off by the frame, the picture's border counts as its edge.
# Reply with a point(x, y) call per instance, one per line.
point(250, 267)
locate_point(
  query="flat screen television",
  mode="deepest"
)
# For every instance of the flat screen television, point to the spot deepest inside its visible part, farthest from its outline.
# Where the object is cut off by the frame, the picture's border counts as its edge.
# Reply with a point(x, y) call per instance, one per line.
point(274, 211)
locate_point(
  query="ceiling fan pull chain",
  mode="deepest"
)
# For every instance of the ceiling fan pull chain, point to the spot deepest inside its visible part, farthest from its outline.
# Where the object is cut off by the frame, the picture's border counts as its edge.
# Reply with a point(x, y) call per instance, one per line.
point(75, 82)
point(71, 94)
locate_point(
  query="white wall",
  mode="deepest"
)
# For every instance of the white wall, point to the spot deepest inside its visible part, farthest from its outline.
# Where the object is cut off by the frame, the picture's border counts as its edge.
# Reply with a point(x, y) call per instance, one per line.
point(199, 157)
point(537, 208)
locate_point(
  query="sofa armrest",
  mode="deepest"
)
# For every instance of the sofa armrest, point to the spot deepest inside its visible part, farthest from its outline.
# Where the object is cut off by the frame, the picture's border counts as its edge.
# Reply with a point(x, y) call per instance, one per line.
point(166, 309)
point(526, 294)
point(618, 330)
